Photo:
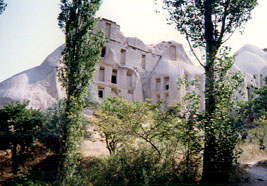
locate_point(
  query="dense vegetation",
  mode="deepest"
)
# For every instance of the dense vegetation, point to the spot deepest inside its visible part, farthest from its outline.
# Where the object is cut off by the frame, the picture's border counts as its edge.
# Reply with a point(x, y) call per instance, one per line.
point(207, 25)
point(147, 143)
point(80, 56)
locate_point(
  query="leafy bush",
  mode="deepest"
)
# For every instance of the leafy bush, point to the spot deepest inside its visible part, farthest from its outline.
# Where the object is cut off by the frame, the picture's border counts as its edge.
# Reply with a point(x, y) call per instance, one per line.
point(51, 133)
point(19, 128)
point(148, 145)
point(256, 108)
point(139, 167)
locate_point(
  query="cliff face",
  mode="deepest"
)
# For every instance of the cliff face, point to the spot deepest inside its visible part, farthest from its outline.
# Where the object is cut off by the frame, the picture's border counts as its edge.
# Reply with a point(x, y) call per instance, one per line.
point(38, 86)
point(130, 69)
point(252, 61)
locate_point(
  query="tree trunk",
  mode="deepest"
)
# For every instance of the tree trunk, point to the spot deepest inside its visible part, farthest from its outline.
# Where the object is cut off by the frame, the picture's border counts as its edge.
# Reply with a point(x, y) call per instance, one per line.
point(210, 173)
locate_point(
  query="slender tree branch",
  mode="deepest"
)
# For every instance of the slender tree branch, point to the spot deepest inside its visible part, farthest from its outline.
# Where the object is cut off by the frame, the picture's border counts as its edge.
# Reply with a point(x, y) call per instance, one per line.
point(223, 29)
point(192, 49)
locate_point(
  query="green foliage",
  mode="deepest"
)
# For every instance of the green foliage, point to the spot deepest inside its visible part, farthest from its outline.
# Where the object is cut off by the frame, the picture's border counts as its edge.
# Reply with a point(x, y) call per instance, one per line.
point(51, 134)
point(170, 142)
point(198, 19)
point(139, 167)
point(81, 54)
point(259, 134)
point(120, 122)
point(256, 108)
point(19, 130)
point(225, 125)
point(2, 6)
point(208, 24)
point(25, 180)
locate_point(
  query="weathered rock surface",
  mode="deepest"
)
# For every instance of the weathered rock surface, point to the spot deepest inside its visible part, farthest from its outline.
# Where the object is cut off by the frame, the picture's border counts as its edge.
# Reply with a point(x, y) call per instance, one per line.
point(38, 86)
point(130, 69)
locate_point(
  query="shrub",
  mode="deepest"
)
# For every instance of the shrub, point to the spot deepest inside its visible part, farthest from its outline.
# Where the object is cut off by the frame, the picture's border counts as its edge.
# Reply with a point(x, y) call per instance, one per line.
point(19, 128)
point(149, 145)
point(139, 167)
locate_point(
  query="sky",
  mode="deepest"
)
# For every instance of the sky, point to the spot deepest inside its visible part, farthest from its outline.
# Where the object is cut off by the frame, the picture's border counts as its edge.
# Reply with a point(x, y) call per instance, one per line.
point(29, 31)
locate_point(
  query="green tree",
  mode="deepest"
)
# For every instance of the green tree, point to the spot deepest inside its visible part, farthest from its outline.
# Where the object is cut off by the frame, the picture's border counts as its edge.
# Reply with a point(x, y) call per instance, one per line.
point(81, 54)
point(2, 6)
point(208, 24)
point(120, 123)
point(19, 130)
point(257, 107)
point(170, 137)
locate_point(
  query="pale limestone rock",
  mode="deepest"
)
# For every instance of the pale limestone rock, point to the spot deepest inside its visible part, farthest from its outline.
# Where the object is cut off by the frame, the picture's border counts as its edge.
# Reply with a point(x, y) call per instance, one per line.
point(252, 61)
point(130, 69)
point(38, 86)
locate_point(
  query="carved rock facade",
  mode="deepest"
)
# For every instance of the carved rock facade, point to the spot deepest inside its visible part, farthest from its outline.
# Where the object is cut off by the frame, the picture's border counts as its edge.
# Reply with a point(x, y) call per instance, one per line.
point(130, 69)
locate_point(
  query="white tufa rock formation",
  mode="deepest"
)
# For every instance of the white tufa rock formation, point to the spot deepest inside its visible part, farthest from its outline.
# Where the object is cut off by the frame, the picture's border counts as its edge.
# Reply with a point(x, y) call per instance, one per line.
point(38, 86)
point(129, 69)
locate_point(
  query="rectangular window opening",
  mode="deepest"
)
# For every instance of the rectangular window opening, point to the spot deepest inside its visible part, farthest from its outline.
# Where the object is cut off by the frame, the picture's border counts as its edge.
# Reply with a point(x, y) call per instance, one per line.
point(143, 62)
point(158, 84)
point(102, 74)
point(103, 52)
point(123, 57)
point(100, 92)
point(114, 76)
point(130, 79)
point(108, 30)
point(167, 83)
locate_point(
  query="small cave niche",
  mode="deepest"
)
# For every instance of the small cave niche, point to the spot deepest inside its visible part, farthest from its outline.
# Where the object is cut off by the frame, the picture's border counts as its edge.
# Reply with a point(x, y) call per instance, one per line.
point(103, 51)
point(158, 82)
point(143, 62)
point(166, 83)
point(101, 91)
point(102, 74)
point(123, 57)
point(114, 76)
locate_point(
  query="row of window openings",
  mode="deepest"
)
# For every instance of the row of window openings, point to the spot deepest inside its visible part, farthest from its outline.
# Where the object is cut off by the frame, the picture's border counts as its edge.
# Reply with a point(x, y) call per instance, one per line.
point(123, 52)
point(114, 76)
point(123, 57)
point(143, 57)
point(166, 83)
point(101, 92)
